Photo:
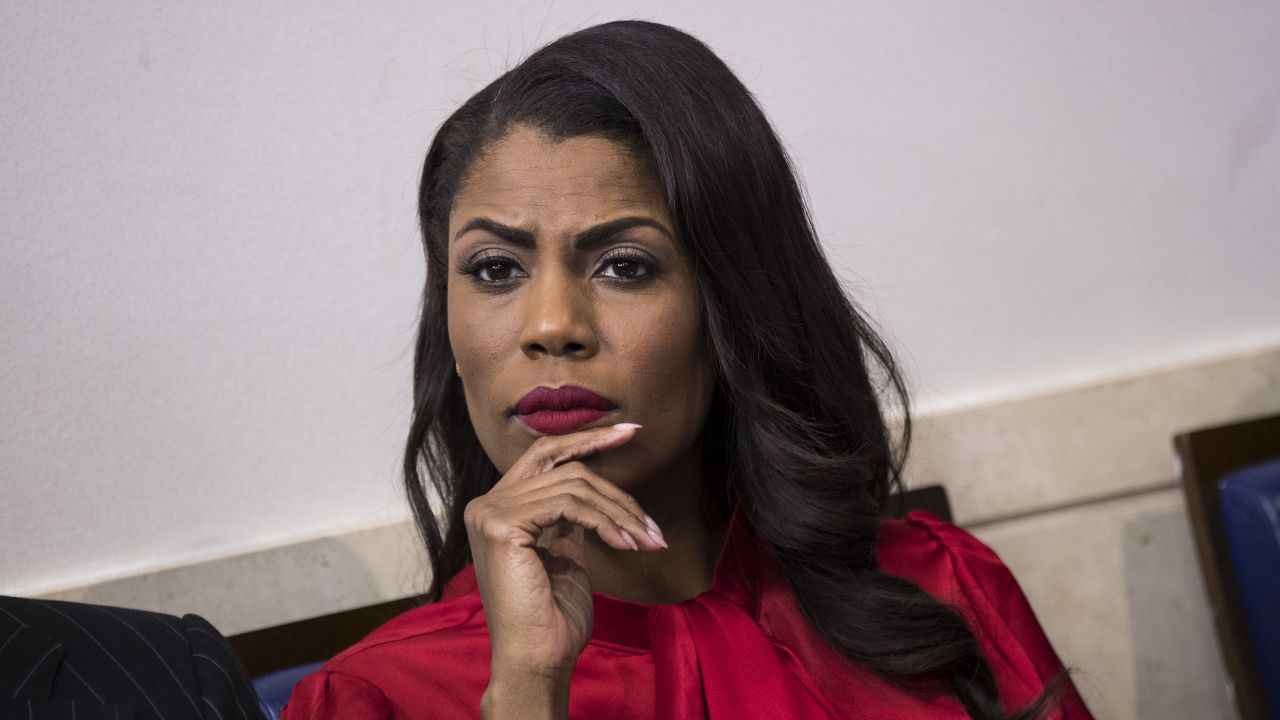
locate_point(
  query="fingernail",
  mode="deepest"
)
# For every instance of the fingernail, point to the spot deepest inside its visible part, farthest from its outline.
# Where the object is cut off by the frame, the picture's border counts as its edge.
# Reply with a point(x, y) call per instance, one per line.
point(630, 540)
point(655, 532)
point(626, 426)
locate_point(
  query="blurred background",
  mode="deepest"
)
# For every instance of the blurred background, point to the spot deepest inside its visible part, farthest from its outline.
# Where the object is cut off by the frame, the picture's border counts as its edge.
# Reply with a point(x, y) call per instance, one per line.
point(1065, 216)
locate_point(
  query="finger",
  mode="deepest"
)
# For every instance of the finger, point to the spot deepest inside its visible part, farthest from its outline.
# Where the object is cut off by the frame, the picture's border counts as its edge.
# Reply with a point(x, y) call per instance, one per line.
point(536, 515)
point(549, 451)
point(587, 490)
point(565, 540)
point(642, 526)
point(611, 490)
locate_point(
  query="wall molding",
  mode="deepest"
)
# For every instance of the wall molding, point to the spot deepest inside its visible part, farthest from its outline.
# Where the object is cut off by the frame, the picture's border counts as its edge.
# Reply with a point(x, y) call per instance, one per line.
point(1043, 454)
point(1084, 443)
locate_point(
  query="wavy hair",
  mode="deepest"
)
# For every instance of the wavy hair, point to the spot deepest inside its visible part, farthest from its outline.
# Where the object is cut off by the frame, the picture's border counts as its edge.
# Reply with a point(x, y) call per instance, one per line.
point(796, 423)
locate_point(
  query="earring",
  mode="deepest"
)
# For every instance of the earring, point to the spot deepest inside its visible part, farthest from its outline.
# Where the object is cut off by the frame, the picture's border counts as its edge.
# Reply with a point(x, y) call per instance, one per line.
point(458, 369)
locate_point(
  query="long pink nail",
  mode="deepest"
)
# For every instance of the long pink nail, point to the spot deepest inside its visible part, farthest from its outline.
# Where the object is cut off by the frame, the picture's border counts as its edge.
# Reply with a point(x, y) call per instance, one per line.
point(655, 532)
point(630, 540)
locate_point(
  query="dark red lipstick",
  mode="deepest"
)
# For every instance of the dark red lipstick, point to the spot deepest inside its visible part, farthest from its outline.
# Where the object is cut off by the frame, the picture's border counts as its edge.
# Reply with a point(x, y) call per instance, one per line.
point(556, 411)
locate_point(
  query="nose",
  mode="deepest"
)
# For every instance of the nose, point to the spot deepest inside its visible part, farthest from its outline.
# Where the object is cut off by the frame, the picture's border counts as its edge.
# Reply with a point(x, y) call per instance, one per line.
point(558, 318)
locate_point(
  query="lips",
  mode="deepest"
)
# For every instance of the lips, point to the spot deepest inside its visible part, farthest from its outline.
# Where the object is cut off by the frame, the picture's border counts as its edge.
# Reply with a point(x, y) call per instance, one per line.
point(555, 411)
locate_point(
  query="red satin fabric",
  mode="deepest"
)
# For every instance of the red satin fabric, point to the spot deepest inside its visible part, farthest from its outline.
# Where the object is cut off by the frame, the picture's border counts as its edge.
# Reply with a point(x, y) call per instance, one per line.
point(741, 650)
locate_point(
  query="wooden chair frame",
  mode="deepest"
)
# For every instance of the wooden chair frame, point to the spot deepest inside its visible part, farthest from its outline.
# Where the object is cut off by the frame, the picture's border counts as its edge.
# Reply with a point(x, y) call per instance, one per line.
point(1205, 456)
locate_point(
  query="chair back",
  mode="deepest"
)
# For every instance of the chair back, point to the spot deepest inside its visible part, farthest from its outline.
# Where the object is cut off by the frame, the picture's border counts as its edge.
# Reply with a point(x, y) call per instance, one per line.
point(1250, 500)
point(1228, 502)
point(932, 498)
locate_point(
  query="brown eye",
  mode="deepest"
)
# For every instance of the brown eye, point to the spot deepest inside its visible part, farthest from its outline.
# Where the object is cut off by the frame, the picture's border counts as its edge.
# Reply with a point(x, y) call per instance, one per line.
point(628, 267)
point(494, 271)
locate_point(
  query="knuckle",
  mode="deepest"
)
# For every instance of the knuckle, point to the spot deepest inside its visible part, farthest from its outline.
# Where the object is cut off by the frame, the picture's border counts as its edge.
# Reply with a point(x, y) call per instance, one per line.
point(542, 450)
point(484, 521)
point(473, 512)
point(492, 529)
point(565, 501)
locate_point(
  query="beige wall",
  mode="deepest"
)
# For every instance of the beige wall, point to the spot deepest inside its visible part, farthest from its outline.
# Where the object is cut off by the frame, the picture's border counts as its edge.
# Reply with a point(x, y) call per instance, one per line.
point(1117, 589)
point(1076, 490)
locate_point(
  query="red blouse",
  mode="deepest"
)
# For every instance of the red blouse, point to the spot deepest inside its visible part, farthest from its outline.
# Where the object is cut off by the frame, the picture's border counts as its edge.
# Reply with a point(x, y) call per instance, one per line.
point(740, 650)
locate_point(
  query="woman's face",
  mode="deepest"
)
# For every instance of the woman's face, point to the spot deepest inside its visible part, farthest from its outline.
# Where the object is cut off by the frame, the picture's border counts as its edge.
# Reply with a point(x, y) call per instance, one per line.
point(564, 270)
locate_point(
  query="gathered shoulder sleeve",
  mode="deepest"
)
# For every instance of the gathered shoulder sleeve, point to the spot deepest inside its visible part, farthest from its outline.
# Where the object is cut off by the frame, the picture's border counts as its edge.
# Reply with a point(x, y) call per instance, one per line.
point(430, 661)
point(957, 568)
point(333, 695)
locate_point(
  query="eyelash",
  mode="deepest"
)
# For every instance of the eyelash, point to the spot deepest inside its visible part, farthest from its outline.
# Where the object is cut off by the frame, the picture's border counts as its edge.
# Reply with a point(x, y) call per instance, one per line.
point(474, 266)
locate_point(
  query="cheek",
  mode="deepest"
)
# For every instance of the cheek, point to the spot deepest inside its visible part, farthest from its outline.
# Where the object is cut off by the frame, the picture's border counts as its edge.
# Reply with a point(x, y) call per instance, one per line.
point(477, 333)
point(667, 366)
point(659, 364)
point(478, 340)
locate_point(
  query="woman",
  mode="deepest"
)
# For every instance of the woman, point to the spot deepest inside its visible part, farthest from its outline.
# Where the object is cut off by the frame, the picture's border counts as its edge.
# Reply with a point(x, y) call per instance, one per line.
point(646, 407)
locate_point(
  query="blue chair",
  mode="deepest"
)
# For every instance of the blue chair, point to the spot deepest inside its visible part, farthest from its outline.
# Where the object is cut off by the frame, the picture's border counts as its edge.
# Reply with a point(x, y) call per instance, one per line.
point(1250, 500)
point(274, 688)
point(1231, 481)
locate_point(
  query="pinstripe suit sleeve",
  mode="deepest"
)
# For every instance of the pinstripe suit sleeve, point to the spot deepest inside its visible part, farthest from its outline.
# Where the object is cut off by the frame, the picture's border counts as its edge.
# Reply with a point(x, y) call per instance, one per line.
point(64, 659)
point(226, 692)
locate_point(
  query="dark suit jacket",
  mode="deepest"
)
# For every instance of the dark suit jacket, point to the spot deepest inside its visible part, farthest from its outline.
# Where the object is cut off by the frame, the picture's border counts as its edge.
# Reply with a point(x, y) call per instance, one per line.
point(92, 662)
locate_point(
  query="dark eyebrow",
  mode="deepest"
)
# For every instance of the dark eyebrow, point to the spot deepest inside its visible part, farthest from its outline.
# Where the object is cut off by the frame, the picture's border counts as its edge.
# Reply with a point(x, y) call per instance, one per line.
point(598, 235)
point(585, 240)
point(513, 235)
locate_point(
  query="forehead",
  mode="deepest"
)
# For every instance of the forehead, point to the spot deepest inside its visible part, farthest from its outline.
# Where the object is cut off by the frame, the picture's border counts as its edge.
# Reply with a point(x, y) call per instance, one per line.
point(527, 172)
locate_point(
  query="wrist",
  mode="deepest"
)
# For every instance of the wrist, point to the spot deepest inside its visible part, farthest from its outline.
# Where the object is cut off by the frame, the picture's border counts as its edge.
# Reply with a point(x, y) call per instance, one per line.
point(525, 696)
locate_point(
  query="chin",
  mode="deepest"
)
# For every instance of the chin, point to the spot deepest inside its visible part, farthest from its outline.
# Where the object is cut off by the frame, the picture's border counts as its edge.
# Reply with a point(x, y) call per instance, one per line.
point(617, 466)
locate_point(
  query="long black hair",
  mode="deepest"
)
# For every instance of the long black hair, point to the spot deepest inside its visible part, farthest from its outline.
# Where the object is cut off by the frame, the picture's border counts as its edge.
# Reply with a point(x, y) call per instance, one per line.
point(796, 426)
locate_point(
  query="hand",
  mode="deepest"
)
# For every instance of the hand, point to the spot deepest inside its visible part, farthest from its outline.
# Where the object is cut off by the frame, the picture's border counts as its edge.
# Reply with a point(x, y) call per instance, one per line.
point(527, 536)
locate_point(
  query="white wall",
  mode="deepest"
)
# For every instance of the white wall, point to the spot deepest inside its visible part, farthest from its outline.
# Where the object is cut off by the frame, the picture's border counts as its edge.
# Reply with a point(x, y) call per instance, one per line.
point(209, 268)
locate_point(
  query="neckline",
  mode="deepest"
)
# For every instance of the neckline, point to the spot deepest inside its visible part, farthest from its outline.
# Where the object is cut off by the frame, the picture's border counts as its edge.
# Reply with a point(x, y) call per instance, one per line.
point(620, 622)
